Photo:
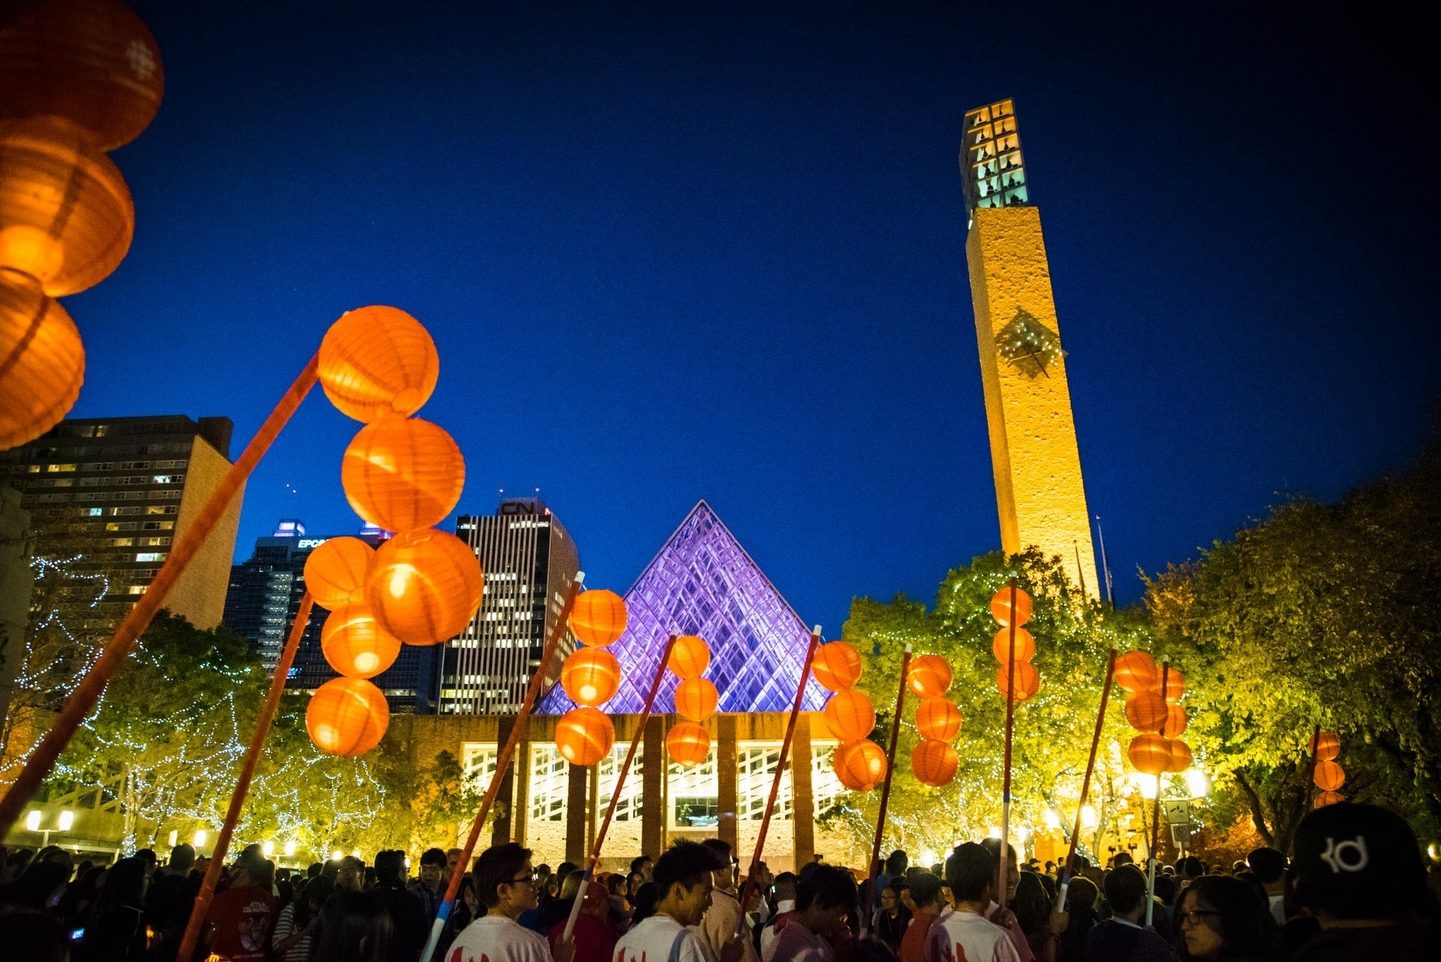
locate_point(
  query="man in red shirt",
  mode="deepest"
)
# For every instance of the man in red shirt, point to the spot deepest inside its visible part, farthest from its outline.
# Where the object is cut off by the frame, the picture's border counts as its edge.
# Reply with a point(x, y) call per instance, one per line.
point(241, 917)
point(925, 892)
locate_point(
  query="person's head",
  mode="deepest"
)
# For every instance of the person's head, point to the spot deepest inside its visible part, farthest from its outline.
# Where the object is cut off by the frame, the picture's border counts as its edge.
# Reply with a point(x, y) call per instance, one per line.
point(390, 868)
point(893, 897)
point(644, 902)
point(1268, 864)
point(785, 886)
point(1125, 889)
point(466, 896)
point(350, 874)
point(725, 875)
point(1220, 917)
point(924, 890)
point(971, 873)
point(1191, 867)
point(182, 859)
point(683, 880)
point(1031, 905)
point(432, 867)
point(1081, 897)
point(125, 884)
point(505, 880)
point(1359, 862)
point(315, 894)
point(896, 863)
point(825, 899)
point(354, 927)
point(452, 860)
point(1122, 858)
point(643, 864)
point(43, 881)
point(1166, 889)
point(1013, 873)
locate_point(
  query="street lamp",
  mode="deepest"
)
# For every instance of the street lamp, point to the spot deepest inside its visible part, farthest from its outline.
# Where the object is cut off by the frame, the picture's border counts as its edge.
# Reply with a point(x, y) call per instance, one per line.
point(36, 819)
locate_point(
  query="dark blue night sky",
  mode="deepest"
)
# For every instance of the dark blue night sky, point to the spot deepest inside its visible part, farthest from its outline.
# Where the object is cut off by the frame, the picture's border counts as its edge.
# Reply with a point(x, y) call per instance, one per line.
point(683, 251)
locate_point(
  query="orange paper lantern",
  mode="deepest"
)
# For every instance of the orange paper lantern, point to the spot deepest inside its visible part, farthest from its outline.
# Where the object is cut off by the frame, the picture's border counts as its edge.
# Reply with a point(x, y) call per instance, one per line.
point(937, 719)
point(1327, 798)
point(860, 764)
point(66, 217)
point(836, 665)
point(1327, 747)
point(687, 743)
point(929, 676)
point(1180, 755)
point(1150, 754)
point(402, 473)
point(1136, 671)
point(696, 699)
point(934, 763)
point(689, 657)
point(1175, 684)
point(355, 644)
point(1329, 776)
point(92, 62)
point(598, 617)
point(584, 735)
point(850, 715)
point(377, 362)
point(1001, 607)
point(1028, 680)
point(1146, 711)
point(336, 572)
point(347, 716)
point(1025, 645)
point(590, 676)
point(42, 360)
point(426, 586)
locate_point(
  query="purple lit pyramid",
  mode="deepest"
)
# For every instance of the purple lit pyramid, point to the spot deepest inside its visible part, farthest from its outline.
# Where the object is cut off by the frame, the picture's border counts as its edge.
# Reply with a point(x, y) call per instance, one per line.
point(702, 582)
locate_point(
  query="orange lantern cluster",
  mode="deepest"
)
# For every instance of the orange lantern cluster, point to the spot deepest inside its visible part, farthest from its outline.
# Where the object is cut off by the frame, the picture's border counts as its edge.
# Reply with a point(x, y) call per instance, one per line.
point(80, 77)
point(939, 721)
point(591, 677)
point(1153, 709)
point(1011, 607)
point(850, 716)
point(1328, 775)
point(696, 699)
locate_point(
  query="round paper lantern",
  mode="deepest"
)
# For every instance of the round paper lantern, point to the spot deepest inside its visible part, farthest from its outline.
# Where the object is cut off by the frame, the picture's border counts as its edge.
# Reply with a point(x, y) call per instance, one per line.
point(836, 665)
point(347, 716)
point(584, 735)
point(598, 617)
point(1150, 754)
point(1327, 747)
point(1175, 684)
point(1327, 798)
point(937, 719)
point(1146, 711)
point(689, 657)
point(92, 62)
point(1001, 607)
point(1329, 776)
point(336, 572)
point(1180, 755)
point(850, 715)
point(696, 698)
point(426, 586)
point(1028, 680)
point(929, 676)
point(402, 473)
point(687, 744)
point(1136, 671)
point(1025, 645)
point(590, 676)
point(377, 362)
point(861, 763)
point(934, 763)
point(42, 360)
point(355, 644)
point(66, 217)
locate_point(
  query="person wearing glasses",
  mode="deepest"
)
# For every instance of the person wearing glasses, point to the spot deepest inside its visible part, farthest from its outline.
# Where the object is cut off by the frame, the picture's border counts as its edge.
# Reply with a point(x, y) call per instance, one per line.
point(507, 885)
point(1221, 917)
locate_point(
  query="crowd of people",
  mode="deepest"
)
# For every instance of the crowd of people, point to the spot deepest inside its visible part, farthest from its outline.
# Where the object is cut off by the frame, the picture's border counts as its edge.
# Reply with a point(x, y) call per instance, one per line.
point(1355, 888)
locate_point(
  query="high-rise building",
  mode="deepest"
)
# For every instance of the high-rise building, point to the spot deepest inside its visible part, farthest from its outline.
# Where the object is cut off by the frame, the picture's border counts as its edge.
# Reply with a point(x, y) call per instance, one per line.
point(530, 563)
point(1034, 456)
point(107, 498)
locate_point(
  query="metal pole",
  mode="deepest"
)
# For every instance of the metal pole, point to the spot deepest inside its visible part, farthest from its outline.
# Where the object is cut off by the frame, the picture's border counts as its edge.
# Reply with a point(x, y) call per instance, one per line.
point(868, 899)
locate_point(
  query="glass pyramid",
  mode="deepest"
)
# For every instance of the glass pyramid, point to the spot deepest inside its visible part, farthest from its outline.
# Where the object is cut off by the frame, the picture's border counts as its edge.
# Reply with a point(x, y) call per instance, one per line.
point(702, 582)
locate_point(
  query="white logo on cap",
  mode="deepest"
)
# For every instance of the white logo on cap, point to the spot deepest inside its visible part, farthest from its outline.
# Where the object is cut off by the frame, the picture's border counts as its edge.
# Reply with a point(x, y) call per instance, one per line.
point(1337, 858)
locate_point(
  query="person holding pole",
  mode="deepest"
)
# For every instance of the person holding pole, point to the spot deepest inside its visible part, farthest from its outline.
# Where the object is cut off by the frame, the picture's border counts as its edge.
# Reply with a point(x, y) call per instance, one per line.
point(683, 877)
point(723, 918)
point(506, 883)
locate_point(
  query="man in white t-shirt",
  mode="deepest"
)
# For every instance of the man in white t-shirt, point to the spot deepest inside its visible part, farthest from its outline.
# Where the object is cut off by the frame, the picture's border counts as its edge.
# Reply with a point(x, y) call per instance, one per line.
point(506, 883)
point(682, 878)
point(964, 934)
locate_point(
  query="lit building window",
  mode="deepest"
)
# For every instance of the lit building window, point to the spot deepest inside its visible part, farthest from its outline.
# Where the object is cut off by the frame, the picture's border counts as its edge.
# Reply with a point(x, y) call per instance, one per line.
point(549, 783)
point(694, 793)
point(757, 770)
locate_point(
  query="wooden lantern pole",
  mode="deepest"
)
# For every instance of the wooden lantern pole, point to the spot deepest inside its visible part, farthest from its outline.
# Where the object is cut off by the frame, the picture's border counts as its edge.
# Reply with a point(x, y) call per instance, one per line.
point(242, 784)
point(1004, 858)
point(502, 764)
point(1068, 870)
point(82, 700)
point(868, 898)
point(1315, 758)
point(1156, 804)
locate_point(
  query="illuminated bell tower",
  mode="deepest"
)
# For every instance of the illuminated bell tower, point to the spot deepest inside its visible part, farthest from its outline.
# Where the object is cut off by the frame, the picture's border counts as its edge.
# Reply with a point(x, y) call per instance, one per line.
point(1039, 491)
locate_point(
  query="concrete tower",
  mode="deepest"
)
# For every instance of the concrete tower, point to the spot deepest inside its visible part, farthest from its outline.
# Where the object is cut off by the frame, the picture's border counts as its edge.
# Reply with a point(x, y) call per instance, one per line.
point(1039, 492)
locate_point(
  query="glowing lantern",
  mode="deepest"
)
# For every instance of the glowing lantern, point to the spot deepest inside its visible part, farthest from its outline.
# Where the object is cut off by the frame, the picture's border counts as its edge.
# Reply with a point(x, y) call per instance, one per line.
point(42, 361)
point(1180, 755)
point(850, 715)
point(689, 657)
point(860, 764)
point(355, 644)
point(92, 62)
point(696, 699)
point(402, 473)
point(598, 617)
point(1150, 754)
point(937, 719)
point(66, 217)
point(687, 744)
point(836, 665)
point(426, 586)
point(1136, 671)
point(1001, 607)
point(1176, 720)
point(929, 676)
point(1146, 711)
point(1329, 776)
point(1025, 645)
point(1327, 747)
point(1175, 684)
point(336, 572)
point(1327, 798)
point(934, 763)
point(1028, 680)
point(347, 716)
point(378, 362)
point(590, 676)
point(584, 735)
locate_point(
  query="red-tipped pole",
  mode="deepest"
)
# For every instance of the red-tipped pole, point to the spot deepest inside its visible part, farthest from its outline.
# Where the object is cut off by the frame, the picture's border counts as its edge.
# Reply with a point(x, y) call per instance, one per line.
point(868, 899)
point(1068, 869)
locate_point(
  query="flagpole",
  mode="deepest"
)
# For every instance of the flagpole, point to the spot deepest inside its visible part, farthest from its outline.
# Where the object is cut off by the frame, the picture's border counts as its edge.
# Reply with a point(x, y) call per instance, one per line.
point(1067, 868)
